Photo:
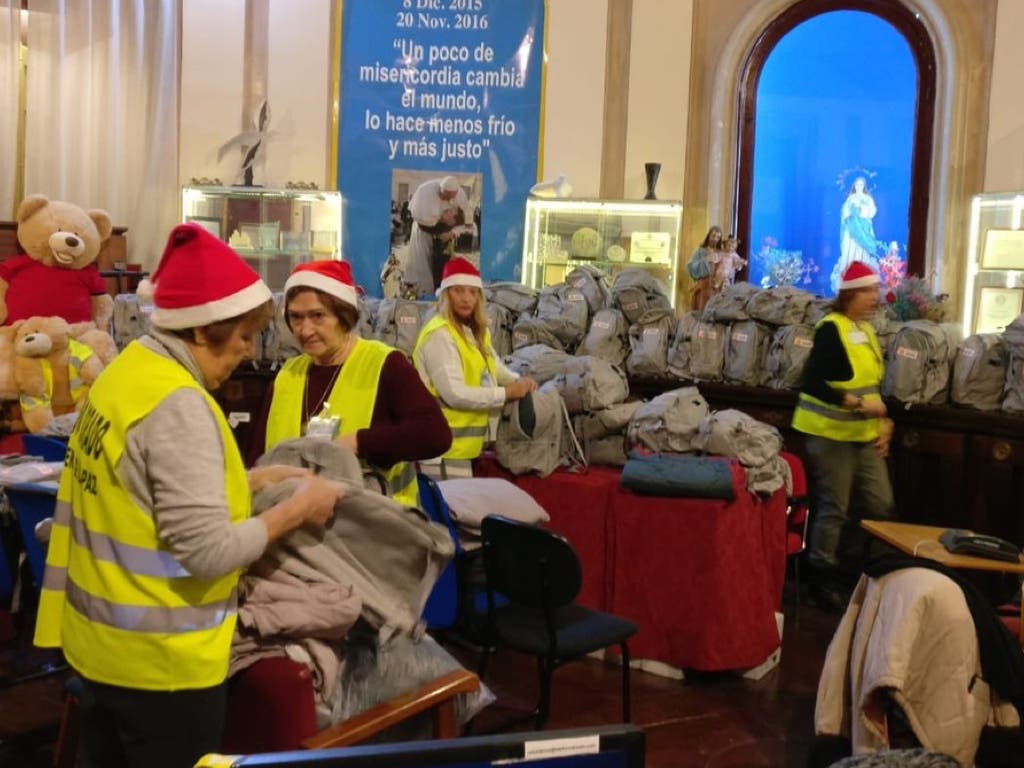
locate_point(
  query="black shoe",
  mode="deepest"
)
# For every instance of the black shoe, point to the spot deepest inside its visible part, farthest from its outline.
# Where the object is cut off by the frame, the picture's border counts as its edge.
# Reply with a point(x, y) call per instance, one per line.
point(827, 596)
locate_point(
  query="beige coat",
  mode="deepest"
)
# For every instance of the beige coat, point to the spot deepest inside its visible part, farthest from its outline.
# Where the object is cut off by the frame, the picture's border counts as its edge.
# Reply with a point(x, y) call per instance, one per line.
point(908, 633)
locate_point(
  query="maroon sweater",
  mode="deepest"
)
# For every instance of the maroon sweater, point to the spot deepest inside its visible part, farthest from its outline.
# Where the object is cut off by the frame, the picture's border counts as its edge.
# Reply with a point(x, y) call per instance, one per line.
point(407, 422)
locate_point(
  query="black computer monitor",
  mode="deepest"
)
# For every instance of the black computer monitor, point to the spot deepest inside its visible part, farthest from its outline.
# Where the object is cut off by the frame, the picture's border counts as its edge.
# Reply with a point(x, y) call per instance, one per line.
point(617, 746)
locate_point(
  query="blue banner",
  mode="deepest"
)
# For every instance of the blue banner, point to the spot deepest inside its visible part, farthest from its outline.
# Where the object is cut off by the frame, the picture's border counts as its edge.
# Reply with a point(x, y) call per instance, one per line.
point(437, 95)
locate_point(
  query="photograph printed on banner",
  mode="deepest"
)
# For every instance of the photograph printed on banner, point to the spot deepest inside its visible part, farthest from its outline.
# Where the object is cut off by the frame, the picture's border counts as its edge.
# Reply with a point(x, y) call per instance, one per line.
point(435, 215)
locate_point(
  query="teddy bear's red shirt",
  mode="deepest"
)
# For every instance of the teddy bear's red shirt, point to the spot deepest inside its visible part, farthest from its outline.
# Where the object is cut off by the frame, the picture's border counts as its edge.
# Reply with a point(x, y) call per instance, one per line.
point(35, 289)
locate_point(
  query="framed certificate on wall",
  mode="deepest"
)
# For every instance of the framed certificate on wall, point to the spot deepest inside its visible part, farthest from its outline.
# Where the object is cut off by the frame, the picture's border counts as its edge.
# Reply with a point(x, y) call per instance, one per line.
point(1004, 249)
point(997, 308)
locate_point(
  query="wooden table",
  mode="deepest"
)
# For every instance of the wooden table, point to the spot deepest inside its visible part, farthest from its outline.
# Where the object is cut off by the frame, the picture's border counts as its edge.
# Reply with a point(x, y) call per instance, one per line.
point(923, 541)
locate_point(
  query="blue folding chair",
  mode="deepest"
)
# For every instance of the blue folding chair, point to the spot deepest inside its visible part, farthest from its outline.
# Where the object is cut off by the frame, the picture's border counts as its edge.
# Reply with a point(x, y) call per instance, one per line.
point(442, 608)
point(459, 598)
point(32, 503)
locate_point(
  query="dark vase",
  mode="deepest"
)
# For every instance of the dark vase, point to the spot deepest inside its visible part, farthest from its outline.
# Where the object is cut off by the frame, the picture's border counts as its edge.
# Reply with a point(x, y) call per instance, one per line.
point(651, 171)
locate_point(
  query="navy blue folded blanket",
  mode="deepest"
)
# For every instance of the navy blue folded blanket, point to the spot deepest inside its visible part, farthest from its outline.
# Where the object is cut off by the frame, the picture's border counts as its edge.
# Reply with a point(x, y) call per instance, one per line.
point(697, 477)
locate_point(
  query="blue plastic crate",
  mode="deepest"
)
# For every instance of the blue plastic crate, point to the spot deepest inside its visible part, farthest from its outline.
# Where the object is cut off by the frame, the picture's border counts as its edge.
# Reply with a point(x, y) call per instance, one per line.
point(49, 448)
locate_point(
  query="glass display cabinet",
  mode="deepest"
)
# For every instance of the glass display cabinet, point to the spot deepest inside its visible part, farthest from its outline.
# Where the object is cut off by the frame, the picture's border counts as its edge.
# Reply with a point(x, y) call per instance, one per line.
point(272, 229)
point(994, 279)
point(609, 234)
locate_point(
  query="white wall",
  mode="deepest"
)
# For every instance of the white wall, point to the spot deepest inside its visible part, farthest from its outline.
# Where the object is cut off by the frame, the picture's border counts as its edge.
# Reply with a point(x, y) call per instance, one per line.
point(1004, 163)
point(211, 86)
point(300, 65)
point(298, 77)
point(574, 93)
point(659, 94)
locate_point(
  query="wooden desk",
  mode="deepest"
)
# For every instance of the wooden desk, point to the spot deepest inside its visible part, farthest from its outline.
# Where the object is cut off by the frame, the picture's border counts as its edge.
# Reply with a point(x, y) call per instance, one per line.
point(923, 541)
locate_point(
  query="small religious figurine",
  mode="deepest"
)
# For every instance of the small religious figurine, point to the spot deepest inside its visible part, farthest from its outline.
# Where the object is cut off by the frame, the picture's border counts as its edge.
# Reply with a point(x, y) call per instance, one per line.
point(725, 264)
point(699, 268)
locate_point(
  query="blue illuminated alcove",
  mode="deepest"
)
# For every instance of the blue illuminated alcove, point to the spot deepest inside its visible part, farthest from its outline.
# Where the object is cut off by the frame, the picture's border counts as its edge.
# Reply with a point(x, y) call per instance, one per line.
point(836, 99)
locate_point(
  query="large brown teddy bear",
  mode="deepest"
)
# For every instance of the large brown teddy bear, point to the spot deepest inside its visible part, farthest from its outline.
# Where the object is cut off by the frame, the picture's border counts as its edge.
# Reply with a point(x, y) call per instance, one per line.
point(53, 371)
point(57, 275)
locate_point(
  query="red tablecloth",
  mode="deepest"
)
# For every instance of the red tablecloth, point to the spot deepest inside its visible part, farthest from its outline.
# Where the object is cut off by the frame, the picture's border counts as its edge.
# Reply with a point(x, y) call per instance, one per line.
point(702, 578)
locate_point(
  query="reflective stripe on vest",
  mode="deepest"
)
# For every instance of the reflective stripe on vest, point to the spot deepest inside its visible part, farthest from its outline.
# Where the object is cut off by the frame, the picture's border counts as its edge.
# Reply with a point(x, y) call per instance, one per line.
point(469, 428)
point(816, 417)
point(78, 353)
point(122, 608)
point(352, 397)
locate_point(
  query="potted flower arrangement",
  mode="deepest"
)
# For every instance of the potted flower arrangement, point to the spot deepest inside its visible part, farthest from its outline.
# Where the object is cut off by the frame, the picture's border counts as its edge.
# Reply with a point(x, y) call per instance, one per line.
point(783, 267)
point(911, 299)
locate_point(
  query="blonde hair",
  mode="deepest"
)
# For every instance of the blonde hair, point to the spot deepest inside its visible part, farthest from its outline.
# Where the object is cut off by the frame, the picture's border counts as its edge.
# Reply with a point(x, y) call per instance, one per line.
point(477, 321)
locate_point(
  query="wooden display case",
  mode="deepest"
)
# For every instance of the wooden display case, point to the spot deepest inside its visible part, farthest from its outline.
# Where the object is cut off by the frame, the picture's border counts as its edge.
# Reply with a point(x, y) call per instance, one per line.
point(273, 229)
point(610, 234)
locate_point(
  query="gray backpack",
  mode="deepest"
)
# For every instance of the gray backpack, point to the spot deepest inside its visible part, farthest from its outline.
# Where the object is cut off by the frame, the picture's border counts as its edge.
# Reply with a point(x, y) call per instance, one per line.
point(278, 343)
point(731, 304)
point(782, 305)
point(515, 297)
point(636, 290)
point(787, 355)
point(528, 331)
point(367, 316)
point(1013, 392)
point(669, 422)
point(534, 435)
point(817, 308)
point(979, 372)
point(602, 434)
point(499, 323)
point(917, 364)
point(607, 337)
point(563, 310)
point(130, 319)
point(538, 361)
point(707, 351)
point(649, 338)
point(589, 384)
point(739, 436)
point(1013, 398)
point(399, 322)
point(746, 347)
point(593, 284)
point(681, 346)
point(613, 420)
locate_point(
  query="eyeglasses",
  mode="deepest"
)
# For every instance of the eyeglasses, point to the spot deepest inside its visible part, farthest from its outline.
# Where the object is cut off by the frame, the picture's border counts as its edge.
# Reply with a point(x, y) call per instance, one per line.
point(316, 316)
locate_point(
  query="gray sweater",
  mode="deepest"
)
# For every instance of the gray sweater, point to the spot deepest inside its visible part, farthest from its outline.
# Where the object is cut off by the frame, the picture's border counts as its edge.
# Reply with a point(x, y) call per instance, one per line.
point(173, 465)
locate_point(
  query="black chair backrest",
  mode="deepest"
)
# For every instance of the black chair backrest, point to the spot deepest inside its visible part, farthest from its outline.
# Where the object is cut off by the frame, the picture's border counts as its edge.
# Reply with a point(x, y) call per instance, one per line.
point(529, 564)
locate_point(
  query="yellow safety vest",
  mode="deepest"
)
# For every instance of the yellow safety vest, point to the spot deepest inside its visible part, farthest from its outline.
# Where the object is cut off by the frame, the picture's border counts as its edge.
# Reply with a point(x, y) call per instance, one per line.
point(469, 428)
point(352, 397)
point(78, 353)
point(816, 417)
point(114, 598)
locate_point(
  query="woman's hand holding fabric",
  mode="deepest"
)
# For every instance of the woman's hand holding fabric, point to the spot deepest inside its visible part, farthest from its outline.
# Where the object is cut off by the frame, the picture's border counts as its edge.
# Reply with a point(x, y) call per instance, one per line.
point(316, 497)
point(261, 477)
point(519, 389)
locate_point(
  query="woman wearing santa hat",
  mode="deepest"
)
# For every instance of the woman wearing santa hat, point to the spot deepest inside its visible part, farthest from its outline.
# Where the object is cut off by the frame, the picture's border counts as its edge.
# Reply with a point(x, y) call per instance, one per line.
point(457, 363)
point(149, 536)
point(369, 390)
point(842, 415)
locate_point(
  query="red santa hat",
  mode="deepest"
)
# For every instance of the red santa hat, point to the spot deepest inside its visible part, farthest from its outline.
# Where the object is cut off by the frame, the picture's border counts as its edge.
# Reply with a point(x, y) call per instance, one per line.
point(858, 275)
point(459, 271)
point(200, 280)
point(332, 277)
